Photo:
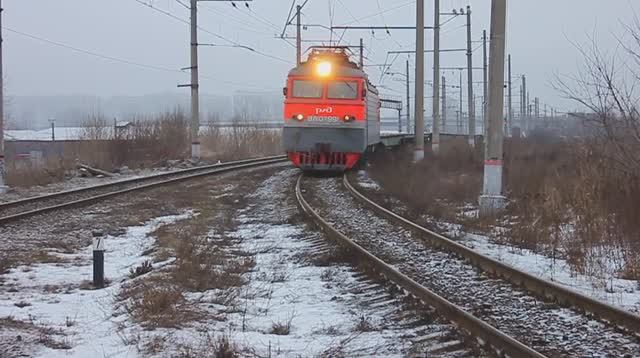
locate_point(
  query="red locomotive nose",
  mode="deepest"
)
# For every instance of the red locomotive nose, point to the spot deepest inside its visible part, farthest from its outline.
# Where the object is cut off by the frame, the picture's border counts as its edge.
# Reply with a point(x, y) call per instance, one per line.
point(331, 112)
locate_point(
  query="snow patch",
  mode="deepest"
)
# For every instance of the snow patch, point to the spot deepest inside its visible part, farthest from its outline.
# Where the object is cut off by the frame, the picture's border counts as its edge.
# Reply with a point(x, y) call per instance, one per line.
point(85, 316)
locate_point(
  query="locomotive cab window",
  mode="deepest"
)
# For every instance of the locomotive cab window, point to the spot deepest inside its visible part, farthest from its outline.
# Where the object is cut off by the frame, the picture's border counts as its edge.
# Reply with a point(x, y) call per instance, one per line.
point(307, 89)
point(343, 90)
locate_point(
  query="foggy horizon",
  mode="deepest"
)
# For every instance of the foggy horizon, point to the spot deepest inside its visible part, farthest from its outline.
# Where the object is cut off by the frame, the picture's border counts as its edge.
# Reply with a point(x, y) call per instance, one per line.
point(130, 31)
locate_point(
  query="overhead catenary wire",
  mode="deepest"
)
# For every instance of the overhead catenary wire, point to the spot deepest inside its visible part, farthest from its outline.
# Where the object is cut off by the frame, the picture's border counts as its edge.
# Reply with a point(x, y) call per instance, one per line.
point(166, 13)
point(123, 61)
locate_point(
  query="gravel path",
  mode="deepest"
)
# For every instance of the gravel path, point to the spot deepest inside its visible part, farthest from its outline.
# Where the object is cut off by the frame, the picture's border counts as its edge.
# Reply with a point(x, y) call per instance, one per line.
point(543, 326)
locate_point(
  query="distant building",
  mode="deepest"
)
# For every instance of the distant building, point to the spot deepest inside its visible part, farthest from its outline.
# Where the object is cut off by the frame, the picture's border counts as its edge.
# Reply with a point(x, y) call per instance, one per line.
point(122, 128)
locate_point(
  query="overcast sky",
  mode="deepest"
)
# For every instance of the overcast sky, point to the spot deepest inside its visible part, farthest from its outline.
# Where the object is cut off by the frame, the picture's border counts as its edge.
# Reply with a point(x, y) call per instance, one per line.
point(539, 35)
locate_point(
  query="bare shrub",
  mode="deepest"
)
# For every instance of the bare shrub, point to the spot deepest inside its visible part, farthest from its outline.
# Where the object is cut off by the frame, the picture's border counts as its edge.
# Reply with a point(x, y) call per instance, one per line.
point(27, 174)
point(364, 325)
point(144, 142)
point(201, 266)
point(156, 304)
point(436, 185)
point(141, 269)
point(281, 328)
point(212, 347)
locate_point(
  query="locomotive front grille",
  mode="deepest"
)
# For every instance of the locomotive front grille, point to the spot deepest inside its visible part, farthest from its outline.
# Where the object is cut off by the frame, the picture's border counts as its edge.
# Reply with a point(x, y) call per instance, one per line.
point(310, 159)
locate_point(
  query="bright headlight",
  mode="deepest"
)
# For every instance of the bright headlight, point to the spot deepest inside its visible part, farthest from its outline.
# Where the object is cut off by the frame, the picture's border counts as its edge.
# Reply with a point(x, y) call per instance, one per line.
point(323, 69)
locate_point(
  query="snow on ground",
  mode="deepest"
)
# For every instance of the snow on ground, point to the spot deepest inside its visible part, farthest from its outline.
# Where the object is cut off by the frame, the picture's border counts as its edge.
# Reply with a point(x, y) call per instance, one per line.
point(611, 290)
point(285, 288)
point(367, 182)
point(614, 291)
point(619, 292)
point(81, 317)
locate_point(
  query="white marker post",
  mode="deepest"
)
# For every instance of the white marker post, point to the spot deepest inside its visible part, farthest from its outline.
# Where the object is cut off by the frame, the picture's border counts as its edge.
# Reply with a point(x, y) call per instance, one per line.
point(98, 259)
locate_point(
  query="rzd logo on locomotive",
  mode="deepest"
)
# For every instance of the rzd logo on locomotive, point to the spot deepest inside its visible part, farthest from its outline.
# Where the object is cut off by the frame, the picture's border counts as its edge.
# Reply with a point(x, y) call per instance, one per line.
point(325, 110)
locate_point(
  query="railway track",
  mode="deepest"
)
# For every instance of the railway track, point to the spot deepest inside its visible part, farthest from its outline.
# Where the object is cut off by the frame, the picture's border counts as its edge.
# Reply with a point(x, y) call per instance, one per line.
point(25, 208)
point(480, 299)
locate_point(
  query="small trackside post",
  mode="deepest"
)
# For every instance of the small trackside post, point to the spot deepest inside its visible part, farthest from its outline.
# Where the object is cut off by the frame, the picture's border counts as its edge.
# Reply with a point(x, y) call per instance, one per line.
point(98, 259)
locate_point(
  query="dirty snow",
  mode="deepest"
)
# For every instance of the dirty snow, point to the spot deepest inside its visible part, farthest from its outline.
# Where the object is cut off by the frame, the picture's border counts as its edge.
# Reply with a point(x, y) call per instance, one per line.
point(545, 327)
point(619, 292)
point(322, 305)
point(367, 182)
point(84, 317)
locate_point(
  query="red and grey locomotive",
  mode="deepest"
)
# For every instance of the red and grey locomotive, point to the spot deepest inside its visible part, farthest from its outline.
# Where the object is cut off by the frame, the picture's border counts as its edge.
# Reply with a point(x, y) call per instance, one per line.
point(331, 112)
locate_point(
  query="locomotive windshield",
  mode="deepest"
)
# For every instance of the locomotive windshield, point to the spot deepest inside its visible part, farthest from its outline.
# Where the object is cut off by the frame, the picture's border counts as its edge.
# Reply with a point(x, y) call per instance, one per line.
point(307, 89)
point(343, 90)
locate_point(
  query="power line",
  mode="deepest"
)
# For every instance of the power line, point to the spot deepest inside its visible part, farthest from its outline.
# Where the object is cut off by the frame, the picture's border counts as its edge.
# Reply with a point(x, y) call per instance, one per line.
point(229, 17)
point(120, 60)
point(213, 33)
point(183, 4)
point(87, 52)
point(381, 12)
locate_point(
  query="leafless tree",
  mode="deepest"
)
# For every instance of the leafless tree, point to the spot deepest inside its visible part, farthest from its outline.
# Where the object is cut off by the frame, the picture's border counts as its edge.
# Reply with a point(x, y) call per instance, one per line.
point(606, 86)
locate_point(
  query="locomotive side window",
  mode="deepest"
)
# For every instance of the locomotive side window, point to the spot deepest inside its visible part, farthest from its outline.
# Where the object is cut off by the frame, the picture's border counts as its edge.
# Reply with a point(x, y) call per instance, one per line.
point(307, 89)
point(343, 90)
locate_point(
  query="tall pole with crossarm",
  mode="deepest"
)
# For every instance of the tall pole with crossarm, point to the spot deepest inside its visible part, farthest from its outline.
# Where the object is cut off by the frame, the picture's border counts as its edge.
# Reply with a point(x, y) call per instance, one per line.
point(418, 153)
point(470, 96)
point(195, 83)
point(491, 199)
point(435, 140)
point(3, 187)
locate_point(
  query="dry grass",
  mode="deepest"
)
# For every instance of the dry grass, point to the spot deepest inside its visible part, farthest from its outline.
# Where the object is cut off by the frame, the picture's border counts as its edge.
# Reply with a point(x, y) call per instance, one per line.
point(240, 142)
point(26, 175)
point(141, 269)
point(572, 205)
point(156, 303)
point(436, 186)
point(566, 200)
point(211, 347)
point(149, 140)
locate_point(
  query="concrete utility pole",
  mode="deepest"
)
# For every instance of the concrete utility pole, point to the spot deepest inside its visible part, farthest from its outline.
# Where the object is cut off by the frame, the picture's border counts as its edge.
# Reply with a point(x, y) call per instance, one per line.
point(529, 110)
point(460, 104)
point(525, 104)
point(361, 54)
point(444, 104)
point(195, 85)
point(510, 105)
point(521, 113)
point(298, 37)
point(491, 199)
point(53, 129)
point(435, 137)
point(485, 97)
point(470, 96)
point(408, 101)
point(418, 153)
point(3, 187)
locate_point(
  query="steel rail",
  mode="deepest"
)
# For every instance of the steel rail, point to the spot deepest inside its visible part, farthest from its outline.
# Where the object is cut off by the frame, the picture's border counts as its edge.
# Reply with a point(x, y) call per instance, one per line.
point(156, 181)
point(549, 290)
point(484, 332)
